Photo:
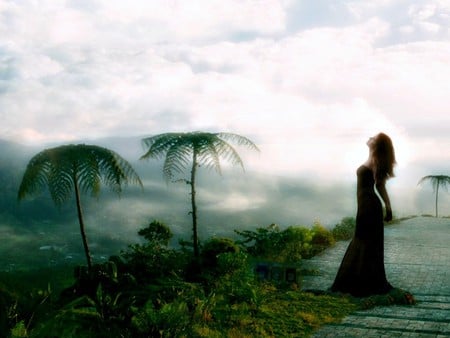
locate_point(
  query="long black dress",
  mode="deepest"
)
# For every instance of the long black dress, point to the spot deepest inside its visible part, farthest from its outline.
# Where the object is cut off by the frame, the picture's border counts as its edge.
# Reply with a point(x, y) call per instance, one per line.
point(361, 272)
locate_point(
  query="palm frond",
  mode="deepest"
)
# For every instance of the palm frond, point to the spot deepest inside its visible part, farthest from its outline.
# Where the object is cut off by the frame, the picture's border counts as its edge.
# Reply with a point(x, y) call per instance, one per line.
point(89, 165)
point(229, 153)
point(158, 145)
point(436, 180)
point(238, 140)
point(197, 148)
point(178, 157)
point(178, 149)
point(35, 176)
point(208, 154)
point(114, 170)
point(60, 185)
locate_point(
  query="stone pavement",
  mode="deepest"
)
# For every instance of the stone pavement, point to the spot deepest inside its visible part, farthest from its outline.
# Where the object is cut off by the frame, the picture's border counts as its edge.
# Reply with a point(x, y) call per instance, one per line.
point(417, 259)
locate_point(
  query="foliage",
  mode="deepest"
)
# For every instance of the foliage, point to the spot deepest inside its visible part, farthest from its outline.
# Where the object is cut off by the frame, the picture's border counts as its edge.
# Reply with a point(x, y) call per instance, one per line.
point(76, 168)
point(153, 259)
point(194, 149)
point(28, 296)
point(288, 245)
point(169, 320)
point(345, 229)
point(322, 238)
point(297, 314)
point(213, 248)
point(394, 297)
point(178, 149)
point(156, 232)
point(436, 182)
point(145, 292)
point(91, 165)
point(236, 283)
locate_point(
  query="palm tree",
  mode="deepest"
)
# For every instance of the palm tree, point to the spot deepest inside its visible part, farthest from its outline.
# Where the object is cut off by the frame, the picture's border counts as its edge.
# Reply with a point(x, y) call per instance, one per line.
point(436, 182)
point(79, 168)
point(194, 148)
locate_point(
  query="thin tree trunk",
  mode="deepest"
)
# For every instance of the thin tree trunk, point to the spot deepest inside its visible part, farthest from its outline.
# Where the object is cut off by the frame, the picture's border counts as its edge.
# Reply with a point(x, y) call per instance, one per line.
point(437, 193)
point(194, 206)
point(81, 221)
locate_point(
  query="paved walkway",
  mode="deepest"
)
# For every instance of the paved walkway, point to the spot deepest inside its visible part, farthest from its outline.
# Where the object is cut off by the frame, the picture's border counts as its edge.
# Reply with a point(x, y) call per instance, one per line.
point(417, 259)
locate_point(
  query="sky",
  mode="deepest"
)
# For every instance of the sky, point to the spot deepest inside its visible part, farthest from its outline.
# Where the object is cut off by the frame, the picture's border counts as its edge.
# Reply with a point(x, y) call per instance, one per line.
point(308, 81)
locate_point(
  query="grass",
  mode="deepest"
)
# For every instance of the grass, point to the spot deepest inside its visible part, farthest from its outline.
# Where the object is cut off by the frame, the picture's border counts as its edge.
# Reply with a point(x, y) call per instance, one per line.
point(281, 313)
point(298, 314)
point(237, 309)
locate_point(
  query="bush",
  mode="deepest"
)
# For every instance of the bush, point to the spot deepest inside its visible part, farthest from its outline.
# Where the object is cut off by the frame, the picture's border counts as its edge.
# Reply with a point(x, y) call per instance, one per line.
point(287, 246)
point(322, 238)
point(345, 229)
point(215, 247)
point(297, 244)
point(153, 259)
point(170, 320)
point(157, 232)
point(263, 242)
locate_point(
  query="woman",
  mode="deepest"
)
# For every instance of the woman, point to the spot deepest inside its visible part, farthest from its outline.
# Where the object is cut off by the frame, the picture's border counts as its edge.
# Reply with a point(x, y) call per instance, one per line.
point(362, 269)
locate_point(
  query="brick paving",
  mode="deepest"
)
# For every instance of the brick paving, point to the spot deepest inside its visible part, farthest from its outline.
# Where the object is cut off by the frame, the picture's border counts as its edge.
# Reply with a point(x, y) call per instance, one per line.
point(417, 259)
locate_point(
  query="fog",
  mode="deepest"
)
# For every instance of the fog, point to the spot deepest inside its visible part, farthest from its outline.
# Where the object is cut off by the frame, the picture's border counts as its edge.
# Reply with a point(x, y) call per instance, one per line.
point(237, 199)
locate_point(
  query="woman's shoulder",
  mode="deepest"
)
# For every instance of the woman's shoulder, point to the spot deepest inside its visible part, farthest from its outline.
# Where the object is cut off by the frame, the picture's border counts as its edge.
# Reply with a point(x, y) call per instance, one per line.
point(364, 167)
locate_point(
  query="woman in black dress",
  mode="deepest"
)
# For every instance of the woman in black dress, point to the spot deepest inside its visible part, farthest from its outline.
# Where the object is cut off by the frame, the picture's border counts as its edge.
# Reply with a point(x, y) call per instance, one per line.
point(362, 269)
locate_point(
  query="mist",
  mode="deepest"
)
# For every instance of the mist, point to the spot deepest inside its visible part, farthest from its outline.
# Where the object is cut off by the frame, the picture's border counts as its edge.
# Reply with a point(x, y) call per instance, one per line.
point(36, 232)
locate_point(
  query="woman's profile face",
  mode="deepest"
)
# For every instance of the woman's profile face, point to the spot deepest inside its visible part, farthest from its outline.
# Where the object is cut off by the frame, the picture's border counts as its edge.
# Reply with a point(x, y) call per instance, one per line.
point(371, 141)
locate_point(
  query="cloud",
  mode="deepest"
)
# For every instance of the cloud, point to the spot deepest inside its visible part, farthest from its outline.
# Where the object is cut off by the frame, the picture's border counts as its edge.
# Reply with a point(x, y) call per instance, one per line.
point(308, 94)
point(115, 23)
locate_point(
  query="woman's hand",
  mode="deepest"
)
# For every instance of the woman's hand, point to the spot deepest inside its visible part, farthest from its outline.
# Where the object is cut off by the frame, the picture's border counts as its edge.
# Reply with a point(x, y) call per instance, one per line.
point(388, 216)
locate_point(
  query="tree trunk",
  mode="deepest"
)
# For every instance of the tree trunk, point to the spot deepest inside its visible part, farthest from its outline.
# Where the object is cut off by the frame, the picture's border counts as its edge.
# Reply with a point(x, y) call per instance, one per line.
point(194, 206)
point(81, 221)
point(437, 193)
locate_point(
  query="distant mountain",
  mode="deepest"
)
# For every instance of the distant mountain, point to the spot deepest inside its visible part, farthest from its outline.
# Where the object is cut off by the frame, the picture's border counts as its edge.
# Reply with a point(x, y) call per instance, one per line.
point(12, 153)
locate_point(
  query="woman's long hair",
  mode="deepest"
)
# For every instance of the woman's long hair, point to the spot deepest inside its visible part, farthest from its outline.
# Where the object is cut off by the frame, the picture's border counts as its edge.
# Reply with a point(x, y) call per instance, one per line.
point(383, 157)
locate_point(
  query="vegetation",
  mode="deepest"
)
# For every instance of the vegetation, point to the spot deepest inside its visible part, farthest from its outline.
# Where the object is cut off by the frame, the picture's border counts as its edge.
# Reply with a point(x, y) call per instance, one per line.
point(436, 182)
point(149, 290)
point(286, 246)
point(76, 168)
point(345, 229)
point(195, 148)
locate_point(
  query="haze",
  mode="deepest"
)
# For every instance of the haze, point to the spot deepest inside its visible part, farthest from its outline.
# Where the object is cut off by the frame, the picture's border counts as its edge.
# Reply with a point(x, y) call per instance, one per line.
point(308, 81)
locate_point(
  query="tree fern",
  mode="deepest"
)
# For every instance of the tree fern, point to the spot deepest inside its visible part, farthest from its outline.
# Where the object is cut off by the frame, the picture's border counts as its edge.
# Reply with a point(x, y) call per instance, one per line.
point(436, 182)
point(183, 150)
point(74, 169)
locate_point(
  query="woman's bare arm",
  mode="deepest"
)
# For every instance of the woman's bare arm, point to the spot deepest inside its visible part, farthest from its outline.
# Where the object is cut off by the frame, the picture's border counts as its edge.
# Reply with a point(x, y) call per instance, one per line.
point(381, 188)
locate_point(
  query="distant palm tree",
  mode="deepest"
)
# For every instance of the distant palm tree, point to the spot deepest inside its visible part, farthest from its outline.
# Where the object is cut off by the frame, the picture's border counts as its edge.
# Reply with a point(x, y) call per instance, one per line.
point(79, 168)
point(194, 149)
point(436, 182)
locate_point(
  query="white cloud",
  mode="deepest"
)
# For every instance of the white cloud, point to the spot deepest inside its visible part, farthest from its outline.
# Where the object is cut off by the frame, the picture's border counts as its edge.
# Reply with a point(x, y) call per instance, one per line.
point(90, 69)
point(422, 12)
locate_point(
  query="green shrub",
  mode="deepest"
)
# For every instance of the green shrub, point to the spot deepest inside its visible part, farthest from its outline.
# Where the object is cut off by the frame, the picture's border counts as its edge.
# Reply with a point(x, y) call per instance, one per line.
point(170, 320)
point(296, 244)
point(263, 242)
point(213, 248)
point(157, 232)
point(147, 262)
point(345, 229)
point(287, 246)
point(322, 238)
point(153, 259)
